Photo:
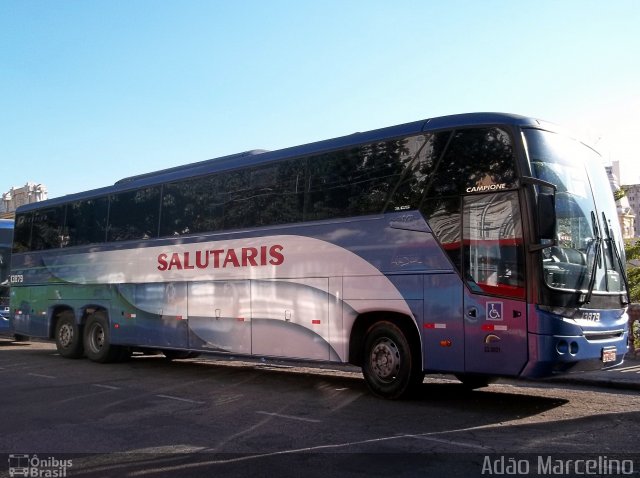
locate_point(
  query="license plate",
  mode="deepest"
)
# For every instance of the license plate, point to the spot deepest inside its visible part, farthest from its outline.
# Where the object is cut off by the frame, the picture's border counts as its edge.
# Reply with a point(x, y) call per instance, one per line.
point(609, 355)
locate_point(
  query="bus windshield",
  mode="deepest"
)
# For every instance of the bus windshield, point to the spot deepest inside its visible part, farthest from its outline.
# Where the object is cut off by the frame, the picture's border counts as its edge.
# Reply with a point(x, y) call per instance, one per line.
point(587, 252)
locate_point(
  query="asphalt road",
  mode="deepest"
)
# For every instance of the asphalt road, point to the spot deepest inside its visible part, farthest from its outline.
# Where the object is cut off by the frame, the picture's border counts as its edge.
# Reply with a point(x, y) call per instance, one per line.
point(207, 417)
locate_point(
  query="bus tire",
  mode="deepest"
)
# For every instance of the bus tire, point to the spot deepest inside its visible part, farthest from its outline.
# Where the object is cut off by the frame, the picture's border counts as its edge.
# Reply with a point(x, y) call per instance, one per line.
point(97, 340)
point(68, 335)
point(391, 367)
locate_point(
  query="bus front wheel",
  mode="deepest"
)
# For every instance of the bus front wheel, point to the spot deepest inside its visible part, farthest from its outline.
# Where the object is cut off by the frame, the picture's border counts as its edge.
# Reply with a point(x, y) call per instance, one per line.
point(97, 340)
point(391, 367)
point(68, 336)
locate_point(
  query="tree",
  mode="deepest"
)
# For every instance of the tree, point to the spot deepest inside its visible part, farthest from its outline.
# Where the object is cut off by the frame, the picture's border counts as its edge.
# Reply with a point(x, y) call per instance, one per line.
point(619, 194)
point(632, 250)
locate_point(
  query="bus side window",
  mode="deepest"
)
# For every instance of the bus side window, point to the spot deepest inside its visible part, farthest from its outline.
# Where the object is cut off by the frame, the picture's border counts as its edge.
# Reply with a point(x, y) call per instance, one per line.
point(444, 218)
point(134, 214)
point(86, 221)
point(493, 244)
point(48, 229)
point(22, 233)
point(476, 158)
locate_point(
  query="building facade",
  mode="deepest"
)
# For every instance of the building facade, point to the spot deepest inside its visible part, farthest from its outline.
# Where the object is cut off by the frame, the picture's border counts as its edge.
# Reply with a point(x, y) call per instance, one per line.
point(626, 214)
point(18, 196)
point(633, 197)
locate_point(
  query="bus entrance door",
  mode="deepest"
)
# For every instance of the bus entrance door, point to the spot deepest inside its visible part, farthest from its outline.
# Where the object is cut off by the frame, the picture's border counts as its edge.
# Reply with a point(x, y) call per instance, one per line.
point(495, 314)
point(495, 334)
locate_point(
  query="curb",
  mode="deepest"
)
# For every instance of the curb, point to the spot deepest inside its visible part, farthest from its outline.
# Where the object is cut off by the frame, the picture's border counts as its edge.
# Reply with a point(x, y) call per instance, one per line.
point(612, 378)
point(595, 382)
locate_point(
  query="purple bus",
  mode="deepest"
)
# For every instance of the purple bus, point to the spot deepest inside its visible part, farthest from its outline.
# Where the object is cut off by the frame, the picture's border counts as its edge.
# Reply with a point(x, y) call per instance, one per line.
point(481, 245)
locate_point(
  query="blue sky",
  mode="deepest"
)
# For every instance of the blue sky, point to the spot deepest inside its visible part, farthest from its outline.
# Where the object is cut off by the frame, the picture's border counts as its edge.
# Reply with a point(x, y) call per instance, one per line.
point(92, 91)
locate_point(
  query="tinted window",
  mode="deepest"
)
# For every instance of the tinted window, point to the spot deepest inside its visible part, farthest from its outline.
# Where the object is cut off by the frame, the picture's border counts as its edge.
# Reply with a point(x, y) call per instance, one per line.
point(475, 158)
point(276, 193)
point(47, 229)
point(422, 156)
point(237, 200)
point(364, 180)
point(86, 222)
point(22, 232)
point(193, 206)
point(134, 215)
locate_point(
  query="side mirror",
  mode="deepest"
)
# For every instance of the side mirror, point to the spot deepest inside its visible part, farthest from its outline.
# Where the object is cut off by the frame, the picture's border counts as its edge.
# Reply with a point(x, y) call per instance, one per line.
point(546, 216)
point(545, 212)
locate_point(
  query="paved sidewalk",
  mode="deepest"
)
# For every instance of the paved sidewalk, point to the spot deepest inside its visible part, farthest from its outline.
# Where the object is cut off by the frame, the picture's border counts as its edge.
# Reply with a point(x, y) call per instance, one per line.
point(625, 376)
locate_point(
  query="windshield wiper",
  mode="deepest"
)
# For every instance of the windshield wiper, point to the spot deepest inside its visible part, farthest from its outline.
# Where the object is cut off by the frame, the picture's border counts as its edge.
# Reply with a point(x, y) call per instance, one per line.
point(586, 298)
point(614, 247)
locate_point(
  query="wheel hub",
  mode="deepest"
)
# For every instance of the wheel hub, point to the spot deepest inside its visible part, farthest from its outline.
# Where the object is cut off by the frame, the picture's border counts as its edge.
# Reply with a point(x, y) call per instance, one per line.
point(97, 337)
point(65, 335)
point(385, 359)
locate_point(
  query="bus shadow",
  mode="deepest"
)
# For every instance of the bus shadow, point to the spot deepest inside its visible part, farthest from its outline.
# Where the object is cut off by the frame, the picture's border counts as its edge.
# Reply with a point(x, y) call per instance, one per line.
point(447, 395)
point(372, 464)
point(9, 342)
point(322, 383)
point(490, 401)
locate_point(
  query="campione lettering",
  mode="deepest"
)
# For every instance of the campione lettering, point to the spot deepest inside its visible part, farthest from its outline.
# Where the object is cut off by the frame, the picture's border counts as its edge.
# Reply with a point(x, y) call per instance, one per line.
point(221, 258)
point(490, 187)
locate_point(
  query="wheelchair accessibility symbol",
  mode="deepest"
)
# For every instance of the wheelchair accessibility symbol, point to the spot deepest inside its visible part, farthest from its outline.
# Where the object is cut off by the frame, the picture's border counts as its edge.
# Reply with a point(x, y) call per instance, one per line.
point(494, 310)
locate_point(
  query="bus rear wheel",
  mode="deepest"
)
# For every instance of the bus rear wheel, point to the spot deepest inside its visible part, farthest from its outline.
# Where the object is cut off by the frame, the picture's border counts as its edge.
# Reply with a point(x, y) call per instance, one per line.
point(97, 340)
point(391, 367)
point(68, 336)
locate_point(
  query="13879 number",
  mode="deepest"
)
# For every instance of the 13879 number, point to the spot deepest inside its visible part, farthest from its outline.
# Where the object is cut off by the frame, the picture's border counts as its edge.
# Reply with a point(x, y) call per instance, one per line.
point(592, 316)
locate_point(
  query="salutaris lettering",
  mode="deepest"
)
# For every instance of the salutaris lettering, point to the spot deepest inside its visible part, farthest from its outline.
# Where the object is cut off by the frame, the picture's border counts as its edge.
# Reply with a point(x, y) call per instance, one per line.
point(222, 258)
